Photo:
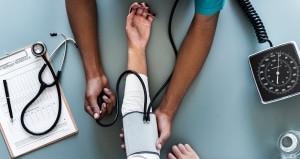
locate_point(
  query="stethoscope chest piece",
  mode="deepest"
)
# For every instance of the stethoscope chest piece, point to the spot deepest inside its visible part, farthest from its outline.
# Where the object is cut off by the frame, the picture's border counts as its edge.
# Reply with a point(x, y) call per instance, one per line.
point(38, 49)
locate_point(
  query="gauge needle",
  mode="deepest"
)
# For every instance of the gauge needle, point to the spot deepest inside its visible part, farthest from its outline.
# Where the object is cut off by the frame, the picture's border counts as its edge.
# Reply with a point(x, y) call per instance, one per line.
point(277, 72)
point(275, 67)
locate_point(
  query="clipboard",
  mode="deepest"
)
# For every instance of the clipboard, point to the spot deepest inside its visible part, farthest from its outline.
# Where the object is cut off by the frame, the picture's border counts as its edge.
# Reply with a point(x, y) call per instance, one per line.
point(20, 70)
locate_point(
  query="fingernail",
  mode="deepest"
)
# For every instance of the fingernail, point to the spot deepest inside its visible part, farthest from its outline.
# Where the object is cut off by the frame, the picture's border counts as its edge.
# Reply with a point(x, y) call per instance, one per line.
point(106, 89)
point(159, 146)
point(105, 97)
point(96, 116)
point(104, 105)
point(123, 146)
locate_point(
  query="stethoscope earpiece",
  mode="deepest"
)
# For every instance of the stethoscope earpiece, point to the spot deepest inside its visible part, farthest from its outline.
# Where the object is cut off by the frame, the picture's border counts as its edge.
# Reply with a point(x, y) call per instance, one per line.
point(38, 49)
point(53, 34)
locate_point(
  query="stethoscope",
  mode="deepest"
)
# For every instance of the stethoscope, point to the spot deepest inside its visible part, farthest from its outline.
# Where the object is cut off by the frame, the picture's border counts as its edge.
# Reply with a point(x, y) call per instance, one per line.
point(39, 50)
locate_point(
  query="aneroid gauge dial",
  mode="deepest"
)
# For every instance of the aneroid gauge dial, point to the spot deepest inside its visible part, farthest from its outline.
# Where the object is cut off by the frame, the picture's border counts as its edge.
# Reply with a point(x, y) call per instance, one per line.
point(276, 72)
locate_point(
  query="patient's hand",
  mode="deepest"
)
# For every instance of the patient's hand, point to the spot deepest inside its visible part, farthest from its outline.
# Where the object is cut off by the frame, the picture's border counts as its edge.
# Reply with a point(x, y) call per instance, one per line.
point(181, 151)
point(138, 25)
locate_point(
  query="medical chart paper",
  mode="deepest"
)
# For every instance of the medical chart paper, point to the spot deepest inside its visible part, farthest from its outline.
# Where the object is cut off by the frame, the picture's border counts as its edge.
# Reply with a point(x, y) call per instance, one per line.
point(20, 70)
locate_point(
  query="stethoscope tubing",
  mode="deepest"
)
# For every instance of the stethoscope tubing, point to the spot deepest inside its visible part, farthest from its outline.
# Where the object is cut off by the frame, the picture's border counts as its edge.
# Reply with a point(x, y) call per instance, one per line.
point(43, 87)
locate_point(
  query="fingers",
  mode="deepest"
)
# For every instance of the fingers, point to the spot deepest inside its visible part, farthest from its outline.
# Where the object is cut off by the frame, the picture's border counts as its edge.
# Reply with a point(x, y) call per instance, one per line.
point(164, 127)
point(132, 11)
point(107, 105)
point(191, 151)
point(133, 7)
point(176, 151)
point(123, 147)
point(110, 101)
point(103, 111)
point(91, 107)
point(164, 135)
point(151, 17)
point(179, 150)
point(182, 151)
point(122, 135)
point(188, 148)
point(171, 156)
point(122, 138)
point(141, 9)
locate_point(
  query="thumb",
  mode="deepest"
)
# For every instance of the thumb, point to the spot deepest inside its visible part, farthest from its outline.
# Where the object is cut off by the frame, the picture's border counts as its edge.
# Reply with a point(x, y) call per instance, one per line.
point(162, 139)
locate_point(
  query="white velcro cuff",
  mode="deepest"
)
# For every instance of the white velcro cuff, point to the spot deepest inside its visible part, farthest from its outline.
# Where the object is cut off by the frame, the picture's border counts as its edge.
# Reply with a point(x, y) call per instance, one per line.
point(140, 136)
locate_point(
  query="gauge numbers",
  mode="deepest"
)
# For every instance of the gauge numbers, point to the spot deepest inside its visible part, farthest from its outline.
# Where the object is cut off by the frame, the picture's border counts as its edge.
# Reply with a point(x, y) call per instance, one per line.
point(276, 72)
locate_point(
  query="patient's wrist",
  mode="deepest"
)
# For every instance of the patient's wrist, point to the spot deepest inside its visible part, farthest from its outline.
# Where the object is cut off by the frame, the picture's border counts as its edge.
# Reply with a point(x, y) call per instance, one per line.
point(136, 49)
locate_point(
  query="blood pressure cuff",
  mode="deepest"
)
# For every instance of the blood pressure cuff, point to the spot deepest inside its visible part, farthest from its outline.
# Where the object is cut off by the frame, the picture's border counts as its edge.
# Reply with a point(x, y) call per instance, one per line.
point(140, 136)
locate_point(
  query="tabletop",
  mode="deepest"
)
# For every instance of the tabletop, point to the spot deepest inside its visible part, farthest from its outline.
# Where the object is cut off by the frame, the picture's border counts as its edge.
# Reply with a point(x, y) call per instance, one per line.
point(221, 115)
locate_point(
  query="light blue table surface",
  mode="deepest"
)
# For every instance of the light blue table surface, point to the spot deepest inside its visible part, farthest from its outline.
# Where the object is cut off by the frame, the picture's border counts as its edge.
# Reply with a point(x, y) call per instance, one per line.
point(221, 116)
